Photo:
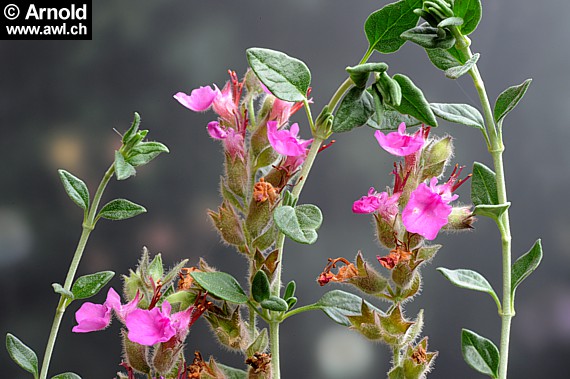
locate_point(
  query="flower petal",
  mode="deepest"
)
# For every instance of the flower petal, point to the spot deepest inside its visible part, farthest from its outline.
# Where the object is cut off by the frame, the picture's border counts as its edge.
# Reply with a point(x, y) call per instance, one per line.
point(149, 327)
point(200, 99)
point(92, 317)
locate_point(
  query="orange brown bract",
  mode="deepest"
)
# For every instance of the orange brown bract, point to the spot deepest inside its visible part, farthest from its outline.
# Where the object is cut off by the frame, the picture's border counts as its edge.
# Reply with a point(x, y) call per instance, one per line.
point(344, 273)
point(185, 279)
point(260, 362)
point(263, 191)
point(397, 255)
point(419, 355)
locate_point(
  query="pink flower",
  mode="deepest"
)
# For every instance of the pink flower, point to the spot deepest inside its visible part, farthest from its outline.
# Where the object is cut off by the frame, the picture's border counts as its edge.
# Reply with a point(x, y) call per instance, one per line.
point(428, 209)
point(281, 111)
point(200, 99)
point(286, 142)
point(93, 317)
point(224, 104)
point(384, 204)
point(399, 143)
point(149, 327)
point(233, 141)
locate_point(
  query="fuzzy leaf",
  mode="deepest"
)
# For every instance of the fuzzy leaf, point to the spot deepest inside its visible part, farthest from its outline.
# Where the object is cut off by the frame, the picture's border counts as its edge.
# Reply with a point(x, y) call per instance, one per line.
point(24, 357)
point(133, 129)
point(89, 285)
point(463, 114)
point(508, 100)
point(123, 169)
point(491, 211)
point(184, 298)
point(338, 305)
point(67, 375)
point(413, 101)
point(458, 71)
point(222, 285)
point(299, 223)
point(232, 373)
point(274, 303)
point(470, 280)
point(354, 110)
point(58, 288)
point(120, 209)
point(360, 73)
point(383, 27)
point(287, 78)
point(259, 345)
point(145, 152)
point(429, 37)
point(260, 287)
point(290, 290)
point(470, 12)
point(75, 188)
point(525, 265)
point(483, 185)
point(450, 21)
point(480, 353)
point(391, 119)
point(443, 59)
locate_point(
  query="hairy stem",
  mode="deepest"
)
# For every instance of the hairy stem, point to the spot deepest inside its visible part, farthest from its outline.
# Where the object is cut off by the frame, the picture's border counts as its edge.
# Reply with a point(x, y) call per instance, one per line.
point(88, 226)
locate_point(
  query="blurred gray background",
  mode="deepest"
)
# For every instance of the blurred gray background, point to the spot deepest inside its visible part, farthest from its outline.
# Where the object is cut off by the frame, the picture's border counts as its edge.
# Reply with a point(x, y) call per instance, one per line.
point(60, 101)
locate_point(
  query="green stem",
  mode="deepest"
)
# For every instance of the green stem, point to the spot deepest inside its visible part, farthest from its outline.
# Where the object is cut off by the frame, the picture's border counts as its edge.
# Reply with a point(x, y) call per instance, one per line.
point(305, 308)
point(396, 355)
point(274, 346)
point(88, 226)
point(339, 93)
point(496, 148)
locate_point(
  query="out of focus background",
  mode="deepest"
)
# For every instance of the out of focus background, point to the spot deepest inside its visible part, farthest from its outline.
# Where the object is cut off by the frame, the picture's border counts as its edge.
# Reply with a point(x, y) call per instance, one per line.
point(61, 100)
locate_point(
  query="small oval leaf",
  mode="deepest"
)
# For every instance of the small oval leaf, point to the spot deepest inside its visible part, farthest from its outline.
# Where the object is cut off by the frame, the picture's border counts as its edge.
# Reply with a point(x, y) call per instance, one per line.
point(25, 357)
point(491, 211)
point(338, 305)
point(123, 169)
point(508, 100)
point(413, 101)
point(89, 285)
point(480, 353)
point(120, 209)
point(145, 152)
point(356, 107)
point(463, 114)
point(444, 59)
point(458, 71)
point(429, 37)
point(260, 287)
point(483, 185)
point(300, 223)
point(360, 73)
point(287, 78)
point(470, 280)
point(75, 189)
point(290, 290)
point(525, 265)
point(470, 12)
point(274, 303)
point(222, 285)
point(383, 27)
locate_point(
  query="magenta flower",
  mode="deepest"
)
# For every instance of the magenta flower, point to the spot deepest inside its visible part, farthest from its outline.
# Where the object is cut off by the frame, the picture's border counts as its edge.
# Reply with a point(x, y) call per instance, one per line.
point(93, 317)
point(428, 208)
point(224, 104)
point(286, 142)
point(384, 204)
point(367, 204)
point(399, 143)
point(200, 99)
point(149, 327)
point(233, 141)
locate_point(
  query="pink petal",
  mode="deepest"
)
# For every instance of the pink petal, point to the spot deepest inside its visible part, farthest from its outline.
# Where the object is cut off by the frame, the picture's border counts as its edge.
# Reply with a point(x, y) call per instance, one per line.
point(426, 212)
point(399, 143)
point(149, 327)
point(200, 99)
point(284, 141)
point(367, 204)
point(92, 317)
point(224, 104)
point(215, 131)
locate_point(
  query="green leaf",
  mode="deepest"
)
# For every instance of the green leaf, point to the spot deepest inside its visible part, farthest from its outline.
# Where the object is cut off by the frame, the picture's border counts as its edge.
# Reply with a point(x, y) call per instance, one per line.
point(222, 285)
point(508, 100)
point(133, 129)
point(260, 287)
point(338, 305)
point(185, 298)
point(413, 101)
point(120, 209)
point(156, 268)
point(287, 78)
point(470, 280)
point(274, 303)
point(525, 265)
point(75, 188)
point(444, 59)
point(360, 73)
point(463, 114)
point(383, 27)
point(89, 285)
point(480, 353)
point(491, 211)
point(290, 290)
point(450, 21)
point(429, 37)
point(291, 302)
point(145, 152)
point(458, 71)
point(300, 223)
point(483, 185)
point(22, 354)
point(232, 373)
point(259, 345)
point(123, 169)
point(392, 119)
point(354, 110)
point(470, 12)
point(58, 288)
point(67, 375)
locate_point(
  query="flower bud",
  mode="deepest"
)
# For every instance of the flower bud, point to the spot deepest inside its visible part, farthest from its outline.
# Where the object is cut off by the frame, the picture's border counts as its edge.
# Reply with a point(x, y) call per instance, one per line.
point(323, 125)
point(228, 224)
point(135, 355)
point(403, 275)
point(385, 232)
point(166, 355)
point(237, 175)
point(258, 218)
point(435, 157)
point(461, 218)
point(416, 362)
point(389, 328)
point(230, 331)
point(368, 280)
